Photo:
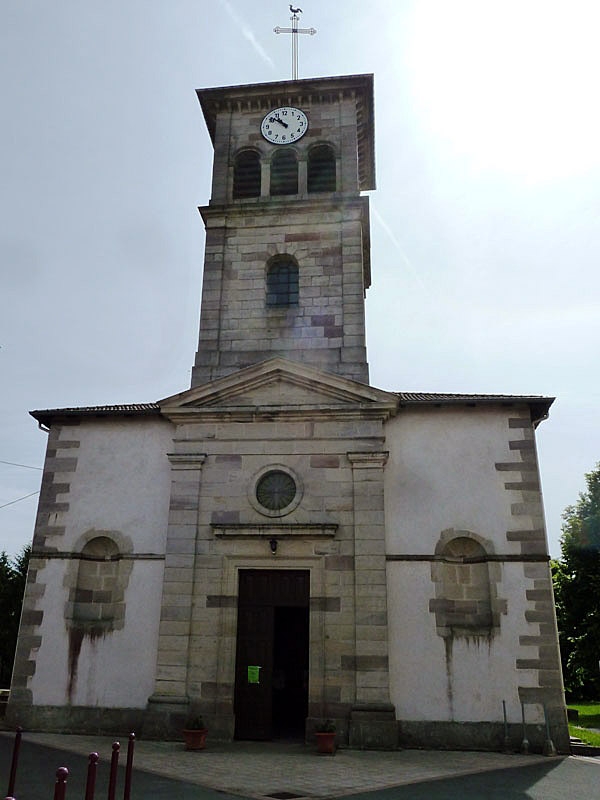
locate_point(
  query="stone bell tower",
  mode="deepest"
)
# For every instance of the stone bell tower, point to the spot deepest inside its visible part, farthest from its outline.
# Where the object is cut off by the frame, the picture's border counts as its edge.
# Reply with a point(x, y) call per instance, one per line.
point(287, 259)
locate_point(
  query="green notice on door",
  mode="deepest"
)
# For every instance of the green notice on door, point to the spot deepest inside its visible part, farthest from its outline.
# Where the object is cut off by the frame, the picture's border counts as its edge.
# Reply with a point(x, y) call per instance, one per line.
point(254, 674)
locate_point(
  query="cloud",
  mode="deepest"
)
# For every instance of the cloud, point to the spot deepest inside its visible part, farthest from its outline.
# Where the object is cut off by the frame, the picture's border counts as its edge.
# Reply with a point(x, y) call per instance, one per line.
point(247, 33)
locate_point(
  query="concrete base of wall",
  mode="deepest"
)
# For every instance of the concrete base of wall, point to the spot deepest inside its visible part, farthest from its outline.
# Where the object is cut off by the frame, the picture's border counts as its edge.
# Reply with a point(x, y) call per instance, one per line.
point(480, 736)
point(75, 719)
point(373, 728)
point(165, 717)
point(365, 730)
point(162, 720)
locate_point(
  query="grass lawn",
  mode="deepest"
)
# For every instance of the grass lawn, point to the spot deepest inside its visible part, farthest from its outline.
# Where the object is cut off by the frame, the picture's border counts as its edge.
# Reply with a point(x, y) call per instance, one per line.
point(589, 717)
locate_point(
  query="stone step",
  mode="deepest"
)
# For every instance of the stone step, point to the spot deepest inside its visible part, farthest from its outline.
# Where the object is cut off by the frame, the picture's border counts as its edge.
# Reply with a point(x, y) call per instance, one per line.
point(579, 748)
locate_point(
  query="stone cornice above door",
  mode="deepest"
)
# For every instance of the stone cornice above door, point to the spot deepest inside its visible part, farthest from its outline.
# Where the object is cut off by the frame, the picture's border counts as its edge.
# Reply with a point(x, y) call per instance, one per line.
point(274, 530)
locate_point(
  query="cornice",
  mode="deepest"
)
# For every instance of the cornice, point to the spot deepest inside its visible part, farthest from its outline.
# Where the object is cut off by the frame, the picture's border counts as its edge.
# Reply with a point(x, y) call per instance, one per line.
point(368, 460)
point(260, 97)
point(271, 530)
point(186, 461)
point(181, 415)
point(336, 201)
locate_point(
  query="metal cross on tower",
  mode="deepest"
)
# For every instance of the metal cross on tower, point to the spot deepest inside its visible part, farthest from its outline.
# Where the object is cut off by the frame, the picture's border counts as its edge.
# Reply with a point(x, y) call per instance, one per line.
point(295, 30)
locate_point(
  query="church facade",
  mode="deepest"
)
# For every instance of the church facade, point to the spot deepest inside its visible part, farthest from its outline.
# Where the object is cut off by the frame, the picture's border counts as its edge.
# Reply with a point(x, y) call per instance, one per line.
point(283, 543)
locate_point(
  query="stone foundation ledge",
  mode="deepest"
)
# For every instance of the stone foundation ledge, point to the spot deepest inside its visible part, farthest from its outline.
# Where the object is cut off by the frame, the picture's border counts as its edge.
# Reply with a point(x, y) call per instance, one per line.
point(490, 736)
point(363, 729)
point(373, 726)
point(75, 719)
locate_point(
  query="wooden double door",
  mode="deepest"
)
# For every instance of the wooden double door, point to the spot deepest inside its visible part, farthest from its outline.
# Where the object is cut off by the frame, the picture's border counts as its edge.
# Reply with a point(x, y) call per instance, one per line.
point(272, 654)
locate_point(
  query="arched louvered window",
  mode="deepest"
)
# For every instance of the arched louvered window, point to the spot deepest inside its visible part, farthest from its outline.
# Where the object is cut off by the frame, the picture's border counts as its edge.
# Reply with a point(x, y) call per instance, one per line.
point(284, 173)
point(321, 169)
point(246, 175)
point(282, 283)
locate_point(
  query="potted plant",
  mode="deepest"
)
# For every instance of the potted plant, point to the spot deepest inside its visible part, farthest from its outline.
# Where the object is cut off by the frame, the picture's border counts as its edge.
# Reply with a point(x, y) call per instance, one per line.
point(325, 733)
point(194, 733)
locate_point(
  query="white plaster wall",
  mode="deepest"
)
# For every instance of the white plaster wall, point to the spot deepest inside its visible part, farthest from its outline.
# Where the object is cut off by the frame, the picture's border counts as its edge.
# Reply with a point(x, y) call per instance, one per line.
point(122, 481)
point(48, 684)
point(440, 474)
point(418, 686)
point(470, 686)
point(114, 671)
point(121, 484)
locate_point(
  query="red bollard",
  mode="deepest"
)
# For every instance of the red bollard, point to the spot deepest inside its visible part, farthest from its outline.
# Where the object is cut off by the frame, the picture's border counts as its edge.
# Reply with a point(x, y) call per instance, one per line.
point(15, 761)
point(60, 787)
point(129, 767)
point(114, 763)
point(90, 786)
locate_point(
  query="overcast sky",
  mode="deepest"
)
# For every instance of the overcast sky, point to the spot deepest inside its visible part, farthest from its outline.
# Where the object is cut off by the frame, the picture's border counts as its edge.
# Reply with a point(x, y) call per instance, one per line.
point(485, 221)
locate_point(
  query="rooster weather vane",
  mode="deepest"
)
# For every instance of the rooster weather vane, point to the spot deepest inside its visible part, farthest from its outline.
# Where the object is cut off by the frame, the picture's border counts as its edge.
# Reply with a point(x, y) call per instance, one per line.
point(295, 30)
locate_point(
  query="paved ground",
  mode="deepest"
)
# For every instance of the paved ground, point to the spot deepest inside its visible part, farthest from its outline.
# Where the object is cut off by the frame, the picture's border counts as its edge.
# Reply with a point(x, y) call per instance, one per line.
point(268, 771)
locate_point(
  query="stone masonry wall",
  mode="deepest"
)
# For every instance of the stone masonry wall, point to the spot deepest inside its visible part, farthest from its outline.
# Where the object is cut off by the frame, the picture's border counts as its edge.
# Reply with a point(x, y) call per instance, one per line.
point(216, 529)
point(331, 119)
point(325, 233)
point(326, 329)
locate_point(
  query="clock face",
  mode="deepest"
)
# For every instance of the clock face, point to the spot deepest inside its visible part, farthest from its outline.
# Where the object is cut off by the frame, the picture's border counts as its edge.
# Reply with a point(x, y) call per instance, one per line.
point(284, 125)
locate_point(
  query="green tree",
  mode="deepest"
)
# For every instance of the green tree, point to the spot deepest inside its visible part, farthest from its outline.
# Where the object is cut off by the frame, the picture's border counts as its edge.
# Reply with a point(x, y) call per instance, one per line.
point(13, 575)
point(577, 593)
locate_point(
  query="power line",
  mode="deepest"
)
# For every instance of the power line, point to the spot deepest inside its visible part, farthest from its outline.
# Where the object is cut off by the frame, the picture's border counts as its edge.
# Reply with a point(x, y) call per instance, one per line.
point(26, 466)
point(18, 500)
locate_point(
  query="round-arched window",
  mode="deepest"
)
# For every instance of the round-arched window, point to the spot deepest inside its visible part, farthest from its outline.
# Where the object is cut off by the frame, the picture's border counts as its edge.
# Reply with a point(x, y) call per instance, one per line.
point(284, 173)
point(282, 282)
point(321, 169)
point(246, 175)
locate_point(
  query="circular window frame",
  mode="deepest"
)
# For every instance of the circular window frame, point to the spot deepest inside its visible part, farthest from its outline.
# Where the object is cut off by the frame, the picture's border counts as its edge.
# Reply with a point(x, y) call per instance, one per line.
point(279, 512)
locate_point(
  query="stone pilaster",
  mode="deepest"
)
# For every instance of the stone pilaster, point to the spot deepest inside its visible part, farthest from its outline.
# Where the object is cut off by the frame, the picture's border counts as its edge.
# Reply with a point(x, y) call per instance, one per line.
point(302, 174)
point(372, 718)
point(168, 705)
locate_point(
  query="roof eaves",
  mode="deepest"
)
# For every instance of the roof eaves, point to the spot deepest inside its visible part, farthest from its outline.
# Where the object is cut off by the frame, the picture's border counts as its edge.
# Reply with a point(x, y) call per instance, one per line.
point(539, 406)
point(49, 415)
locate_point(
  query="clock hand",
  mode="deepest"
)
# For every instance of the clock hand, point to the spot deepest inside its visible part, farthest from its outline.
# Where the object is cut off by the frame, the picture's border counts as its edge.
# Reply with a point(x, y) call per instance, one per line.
point(280, 121)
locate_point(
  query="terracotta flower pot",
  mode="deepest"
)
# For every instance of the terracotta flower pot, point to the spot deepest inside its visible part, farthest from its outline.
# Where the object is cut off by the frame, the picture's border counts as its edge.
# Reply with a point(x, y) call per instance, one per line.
point(195, 739)
point(326, 742)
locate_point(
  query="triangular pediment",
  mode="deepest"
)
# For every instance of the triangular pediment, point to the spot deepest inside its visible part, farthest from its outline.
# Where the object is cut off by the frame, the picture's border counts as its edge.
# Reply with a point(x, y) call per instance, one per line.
point(283, 387)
